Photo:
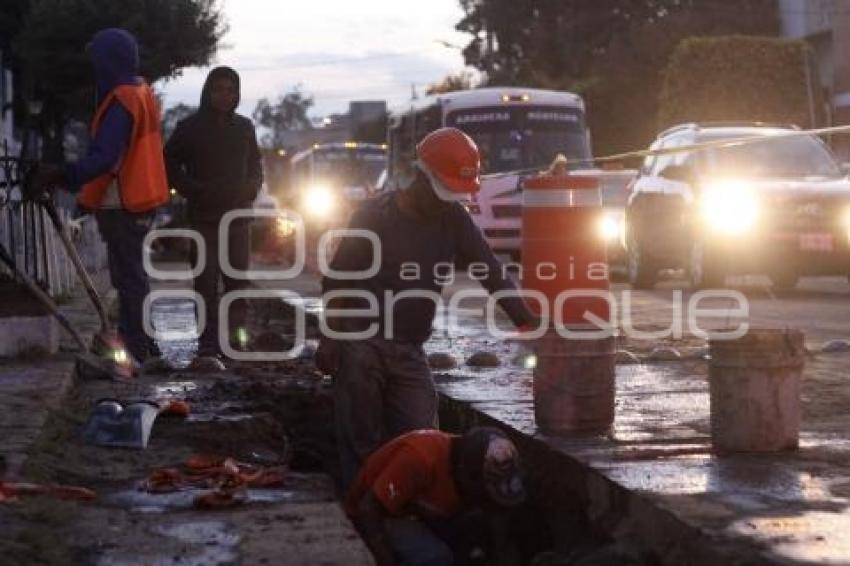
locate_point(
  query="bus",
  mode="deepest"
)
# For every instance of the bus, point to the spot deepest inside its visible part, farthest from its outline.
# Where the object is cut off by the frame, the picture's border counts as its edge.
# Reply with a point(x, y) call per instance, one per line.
point(327, 179)
point(517, 130)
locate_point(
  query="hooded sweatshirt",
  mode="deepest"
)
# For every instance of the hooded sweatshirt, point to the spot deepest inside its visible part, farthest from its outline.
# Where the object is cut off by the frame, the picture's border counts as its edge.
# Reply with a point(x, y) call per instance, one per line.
point(115, 56)
point(213, 162)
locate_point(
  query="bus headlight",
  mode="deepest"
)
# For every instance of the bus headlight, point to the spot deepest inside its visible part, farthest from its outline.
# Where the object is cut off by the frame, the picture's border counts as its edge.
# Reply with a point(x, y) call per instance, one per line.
point(729, 207)
point(319, 202)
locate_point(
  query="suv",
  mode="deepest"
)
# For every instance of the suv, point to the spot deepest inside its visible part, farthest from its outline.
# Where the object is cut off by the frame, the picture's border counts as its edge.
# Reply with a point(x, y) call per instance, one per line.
point(778, 206)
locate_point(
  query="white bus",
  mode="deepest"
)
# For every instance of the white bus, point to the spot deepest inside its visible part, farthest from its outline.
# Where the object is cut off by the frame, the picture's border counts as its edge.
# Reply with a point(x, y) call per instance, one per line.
point(518, 130)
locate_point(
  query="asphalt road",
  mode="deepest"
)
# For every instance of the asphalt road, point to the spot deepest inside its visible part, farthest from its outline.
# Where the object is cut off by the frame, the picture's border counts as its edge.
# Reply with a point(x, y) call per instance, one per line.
point(819, 306)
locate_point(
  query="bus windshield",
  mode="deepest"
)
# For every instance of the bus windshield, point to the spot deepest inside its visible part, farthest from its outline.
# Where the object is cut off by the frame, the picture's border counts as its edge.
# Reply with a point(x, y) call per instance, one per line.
point(523, 137)
point(349, 168)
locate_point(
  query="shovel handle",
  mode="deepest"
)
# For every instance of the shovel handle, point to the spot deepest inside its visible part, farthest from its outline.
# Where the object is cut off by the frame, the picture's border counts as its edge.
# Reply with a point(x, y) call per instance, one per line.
point(42, 297)
point(84, 276)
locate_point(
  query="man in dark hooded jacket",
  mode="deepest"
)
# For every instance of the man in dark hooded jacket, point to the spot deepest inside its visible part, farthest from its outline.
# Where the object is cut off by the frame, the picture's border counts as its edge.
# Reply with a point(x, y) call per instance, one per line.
point(122, 176)
point(214, 162)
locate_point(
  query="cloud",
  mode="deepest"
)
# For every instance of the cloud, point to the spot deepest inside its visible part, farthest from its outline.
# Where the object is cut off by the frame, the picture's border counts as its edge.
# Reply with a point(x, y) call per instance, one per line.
point(337, 50)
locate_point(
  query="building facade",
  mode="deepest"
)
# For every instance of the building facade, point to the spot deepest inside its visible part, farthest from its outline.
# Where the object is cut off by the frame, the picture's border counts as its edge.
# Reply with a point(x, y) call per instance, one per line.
point(7, 121)
point(825, 25)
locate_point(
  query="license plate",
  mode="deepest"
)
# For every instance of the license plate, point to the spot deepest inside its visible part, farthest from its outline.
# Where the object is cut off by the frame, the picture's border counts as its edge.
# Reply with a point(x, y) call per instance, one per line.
point(816, 242)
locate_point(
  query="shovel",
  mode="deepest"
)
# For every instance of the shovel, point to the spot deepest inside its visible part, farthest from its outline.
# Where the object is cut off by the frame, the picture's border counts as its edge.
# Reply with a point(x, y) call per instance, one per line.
point(103, 340)
point(116, 424)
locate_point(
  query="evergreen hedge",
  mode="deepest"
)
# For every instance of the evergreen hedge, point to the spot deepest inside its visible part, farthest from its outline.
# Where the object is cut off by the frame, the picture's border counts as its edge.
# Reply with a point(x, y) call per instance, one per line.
point(744, 78)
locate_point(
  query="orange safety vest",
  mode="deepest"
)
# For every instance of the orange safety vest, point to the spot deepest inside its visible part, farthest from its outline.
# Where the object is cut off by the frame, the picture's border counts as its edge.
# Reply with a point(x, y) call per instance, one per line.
point(141, 178)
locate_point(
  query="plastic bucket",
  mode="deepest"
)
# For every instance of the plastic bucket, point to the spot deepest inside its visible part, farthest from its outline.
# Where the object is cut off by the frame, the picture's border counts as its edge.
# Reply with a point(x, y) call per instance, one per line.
point(574, 384)
point(754, 384)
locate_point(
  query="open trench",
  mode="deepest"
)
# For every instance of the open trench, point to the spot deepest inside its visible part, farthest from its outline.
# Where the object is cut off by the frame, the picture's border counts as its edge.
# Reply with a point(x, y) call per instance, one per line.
point(265, 414)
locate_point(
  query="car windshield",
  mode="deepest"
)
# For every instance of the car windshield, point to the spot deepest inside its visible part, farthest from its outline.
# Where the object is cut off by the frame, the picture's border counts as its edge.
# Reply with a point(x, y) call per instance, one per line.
point(512, 139)
point(782, 158)
point(349, 169)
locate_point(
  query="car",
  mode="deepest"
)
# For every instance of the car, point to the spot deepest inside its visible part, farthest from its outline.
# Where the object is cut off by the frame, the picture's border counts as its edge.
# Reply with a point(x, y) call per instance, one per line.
point(615, 188)
point(777, 205)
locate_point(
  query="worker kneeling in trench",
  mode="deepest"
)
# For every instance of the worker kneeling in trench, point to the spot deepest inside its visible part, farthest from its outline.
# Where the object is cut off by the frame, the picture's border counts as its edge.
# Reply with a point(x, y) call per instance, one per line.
point(418, 500)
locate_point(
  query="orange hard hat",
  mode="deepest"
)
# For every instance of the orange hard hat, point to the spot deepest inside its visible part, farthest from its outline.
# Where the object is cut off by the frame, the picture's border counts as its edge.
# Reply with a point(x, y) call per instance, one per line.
point(451, 162)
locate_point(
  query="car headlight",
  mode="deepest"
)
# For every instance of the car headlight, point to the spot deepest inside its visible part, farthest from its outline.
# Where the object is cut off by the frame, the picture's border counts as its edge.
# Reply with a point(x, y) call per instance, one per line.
point(285, 226)
point(730, 207)
point(610, 227)
point(319, 201)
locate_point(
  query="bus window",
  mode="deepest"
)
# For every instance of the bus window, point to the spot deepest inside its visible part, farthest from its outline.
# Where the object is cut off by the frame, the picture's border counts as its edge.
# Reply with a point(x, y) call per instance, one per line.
point(515, 138)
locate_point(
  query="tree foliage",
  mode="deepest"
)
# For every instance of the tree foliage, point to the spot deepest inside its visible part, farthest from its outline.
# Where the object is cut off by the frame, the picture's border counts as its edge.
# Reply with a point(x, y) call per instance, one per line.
point(613, 52)
point(50, 46)
point(12, 15)
point(538, 40)
point(753, 79)
point(173, 115)
point(288, 113)
point(451, 83)
point(622, 94)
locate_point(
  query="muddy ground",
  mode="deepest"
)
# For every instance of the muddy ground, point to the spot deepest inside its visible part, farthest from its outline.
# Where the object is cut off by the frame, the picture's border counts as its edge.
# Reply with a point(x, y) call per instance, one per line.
point(264, 416)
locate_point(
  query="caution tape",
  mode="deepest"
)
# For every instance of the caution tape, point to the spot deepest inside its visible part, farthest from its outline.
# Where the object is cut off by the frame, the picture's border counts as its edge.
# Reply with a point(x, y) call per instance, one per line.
point(717, 144)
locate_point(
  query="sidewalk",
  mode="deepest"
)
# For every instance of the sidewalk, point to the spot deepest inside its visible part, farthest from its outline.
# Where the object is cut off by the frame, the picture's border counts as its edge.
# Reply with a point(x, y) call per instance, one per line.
point(243, 414)
point(31, 388)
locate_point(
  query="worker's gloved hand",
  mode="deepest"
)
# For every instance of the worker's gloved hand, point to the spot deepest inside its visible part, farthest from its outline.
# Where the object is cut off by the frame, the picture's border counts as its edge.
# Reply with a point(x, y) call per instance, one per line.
point(327, 356)
point(45, 178)
point(533, 323)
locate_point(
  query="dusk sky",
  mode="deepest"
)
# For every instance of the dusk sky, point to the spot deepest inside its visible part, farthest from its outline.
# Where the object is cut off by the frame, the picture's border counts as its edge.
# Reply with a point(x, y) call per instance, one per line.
point(338, 50)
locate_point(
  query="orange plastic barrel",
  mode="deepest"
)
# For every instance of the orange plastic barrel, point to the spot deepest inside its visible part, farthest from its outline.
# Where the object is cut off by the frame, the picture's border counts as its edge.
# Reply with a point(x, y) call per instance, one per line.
point(574, 384)
point(574, 380)
point(755, 384)
point(561, 246)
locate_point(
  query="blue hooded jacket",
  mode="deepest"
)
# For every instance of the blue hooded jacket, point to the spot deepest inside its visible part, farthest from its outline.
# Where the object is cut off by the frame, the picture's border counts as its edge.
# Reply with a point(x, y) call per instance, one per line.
point(115, 55)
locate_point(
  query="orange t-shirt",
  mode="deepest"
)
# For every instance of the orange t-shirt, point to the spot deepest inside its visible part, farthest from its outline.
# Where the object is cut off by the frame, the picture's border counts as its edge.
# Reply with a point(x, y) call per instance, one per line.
point(411, 472)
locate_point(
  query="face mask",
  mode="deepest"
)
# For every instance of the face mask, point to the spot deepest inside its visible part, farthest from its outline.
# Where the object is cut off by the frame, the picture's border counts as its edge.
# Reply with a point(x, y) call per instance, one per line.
point(406, 177)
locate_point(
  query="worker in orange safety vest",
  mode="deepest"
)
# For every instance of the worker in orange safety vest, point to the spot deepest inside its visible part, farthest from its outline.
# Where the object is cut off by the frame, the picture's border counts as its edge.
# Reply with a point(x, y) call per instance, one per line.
point(122, 176)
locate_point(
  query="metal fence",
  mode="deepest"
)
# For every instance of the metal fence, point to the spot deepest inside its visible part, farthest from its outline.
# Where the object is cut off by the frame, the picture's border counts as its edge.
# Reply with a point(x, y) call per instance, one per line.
point(28, 234)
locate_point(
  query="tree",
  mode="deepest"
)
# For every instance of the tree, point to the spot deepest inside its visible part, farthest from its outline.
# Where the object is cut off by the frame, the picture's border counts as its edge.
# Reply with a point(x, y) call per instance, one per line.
point(287, 114)
point(12, 15)
point(173, 115)
point(622, 94)
point(451, 83)
point(538, 40)
point(753, 79)
point(612, 52)
point(50, 46)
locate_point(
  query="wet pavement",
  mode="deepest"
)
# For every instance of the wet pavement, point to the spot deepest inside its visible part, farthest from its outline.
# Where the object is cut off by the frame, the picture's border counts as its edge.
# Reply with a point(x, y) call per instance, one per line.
point(656, 465)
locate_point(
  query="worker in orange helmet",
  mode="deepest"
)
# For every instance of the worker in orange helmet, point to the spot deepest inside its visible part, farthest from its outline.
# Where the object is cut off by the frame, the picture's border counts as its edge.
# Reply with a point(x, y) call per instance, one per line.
point(383, 385)
point(428, 498)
